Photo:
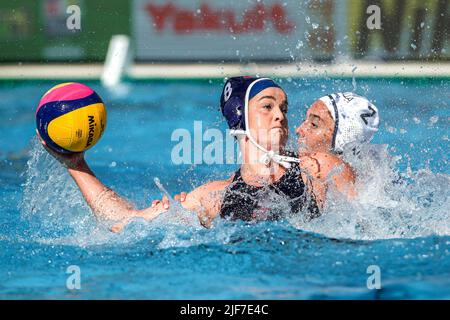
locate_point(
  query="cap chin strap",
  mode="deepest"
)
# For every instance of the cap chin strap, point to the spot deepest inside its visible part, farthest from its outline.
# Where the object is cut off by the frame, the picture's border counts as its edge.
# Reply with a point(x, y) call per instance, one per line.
point(268, 156)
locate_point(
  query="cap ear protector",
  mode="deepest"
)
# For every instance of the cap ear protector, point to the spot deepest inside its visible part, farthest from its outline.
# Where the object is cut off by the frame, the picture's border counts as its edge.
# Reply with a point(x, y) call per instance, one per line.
point(233, 111)
point(356, 119)
point(232, 102)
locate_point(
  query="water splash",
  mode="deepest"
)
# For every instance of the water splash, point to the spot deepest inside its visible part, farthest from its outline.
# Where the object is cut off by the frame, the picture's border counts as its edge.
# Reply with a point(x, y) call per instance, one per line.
point(57, 214)
point(390, 204)
point(52, 204)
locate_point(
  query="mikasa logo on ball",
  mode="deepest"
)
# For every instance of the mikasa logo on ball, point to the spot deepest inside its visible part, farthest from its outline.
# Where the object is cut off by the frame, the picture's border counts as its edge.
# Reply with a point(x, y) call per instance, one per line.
point(92, 125)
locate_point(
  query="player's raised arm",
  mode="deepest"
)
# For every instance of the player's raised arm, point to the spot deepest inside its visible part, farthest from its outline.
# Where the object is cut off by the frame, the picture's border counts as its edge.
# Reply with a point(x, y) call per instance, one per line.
point(70, 119)
point(104, 202)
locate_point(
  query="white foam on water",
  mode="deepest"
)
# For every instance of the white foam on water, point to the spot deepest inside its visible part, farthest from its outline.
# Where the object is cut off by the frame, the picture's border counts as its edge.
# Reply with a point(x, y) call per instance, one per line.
point(52, 203)
point(58, 214)
point(389, 205)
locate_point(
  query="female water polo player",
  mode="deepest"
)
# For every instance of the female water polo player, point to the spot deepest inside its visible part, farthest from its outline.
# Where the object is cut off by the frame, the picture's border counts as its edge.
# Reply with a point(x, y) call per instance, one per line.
point(255, 109)
point(335, 123)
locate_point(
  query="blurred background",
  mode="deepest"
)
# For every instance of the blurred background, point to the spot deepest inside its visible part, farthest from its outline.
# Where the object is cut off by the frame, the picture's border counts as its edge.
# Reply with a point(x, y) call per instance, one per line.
point(204, 38)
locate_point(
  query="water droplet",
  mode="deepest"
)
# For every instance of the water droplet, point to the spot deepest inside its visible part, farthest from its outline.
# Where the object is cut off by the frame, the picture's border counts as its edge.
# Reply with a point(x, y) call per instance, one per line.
point(434, 119)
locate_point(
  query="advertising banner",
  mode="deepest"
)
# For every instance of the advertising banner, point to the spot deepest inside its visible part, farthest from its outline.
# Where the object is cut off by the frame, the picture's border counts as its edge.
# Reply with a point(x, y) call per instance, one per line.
point(291, 30)
point(235, 30)
point(409, 30)
point(228, 30)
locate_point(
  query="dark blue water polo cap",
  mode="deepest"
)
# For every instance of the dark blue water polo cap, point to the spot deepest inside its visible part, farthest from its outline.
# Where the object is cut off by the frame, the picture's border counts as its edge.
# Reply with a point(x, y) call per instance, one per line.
point(236, 94)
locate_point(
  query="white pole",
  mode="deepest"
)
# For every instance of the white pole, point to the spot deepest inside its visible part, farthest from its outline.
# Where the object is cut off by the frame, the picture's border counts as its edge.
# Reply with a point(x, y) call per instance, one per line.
point(116, 60)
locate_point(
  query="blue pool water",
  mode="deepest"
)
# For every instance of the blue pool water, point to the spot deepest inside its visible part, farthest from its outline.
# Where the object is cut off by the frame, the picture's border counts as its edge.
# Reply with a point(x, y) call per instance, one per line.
point(403, 227)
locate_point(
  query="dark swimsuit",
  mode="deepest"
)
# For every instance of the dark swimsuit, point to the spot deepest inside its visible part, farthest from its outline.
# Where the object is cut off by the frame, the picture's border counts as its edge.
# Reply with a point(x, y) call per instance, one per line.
point(243, 201)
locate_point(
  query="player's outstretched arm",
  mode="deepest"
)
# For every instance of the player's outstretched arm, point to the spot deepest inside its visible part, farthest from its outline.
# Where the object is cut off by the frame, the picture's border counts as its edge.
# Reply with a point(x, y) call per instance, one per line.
point(104, 202)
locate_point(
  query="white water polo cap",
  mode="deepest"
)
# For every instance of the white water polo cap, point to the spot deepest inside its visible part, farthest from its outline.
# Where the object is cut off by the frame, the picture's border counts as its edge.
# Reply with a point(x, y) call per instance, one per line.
point(356, 119)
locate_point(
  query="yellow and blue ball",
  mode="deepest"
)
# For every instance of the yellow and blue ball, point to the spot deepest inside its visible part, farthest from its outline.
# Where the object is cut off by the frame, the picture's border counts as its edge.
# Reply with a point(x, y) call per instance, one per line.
point(71, 117)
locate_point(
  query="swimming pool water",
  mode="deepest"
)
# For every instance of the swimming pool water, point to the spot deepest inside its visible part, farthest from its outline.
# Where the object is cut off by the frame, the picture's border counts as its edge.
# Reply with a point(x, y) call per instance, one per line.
point(45, 226)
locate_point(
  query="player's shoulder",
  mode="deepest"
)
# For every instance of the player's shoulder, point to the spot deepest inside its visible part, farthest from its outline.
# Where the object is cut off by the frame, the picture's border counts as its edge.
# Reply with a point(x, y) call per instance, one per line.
point(321, 164)
point(327, 160)
point(217, 185)
point(212, 186)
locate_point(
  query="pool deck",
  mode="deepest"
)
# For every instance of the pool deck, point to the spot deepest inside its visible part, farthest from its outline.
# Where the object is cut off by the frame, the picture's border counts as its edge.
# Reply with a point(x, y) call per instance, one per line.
point(220, 70)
